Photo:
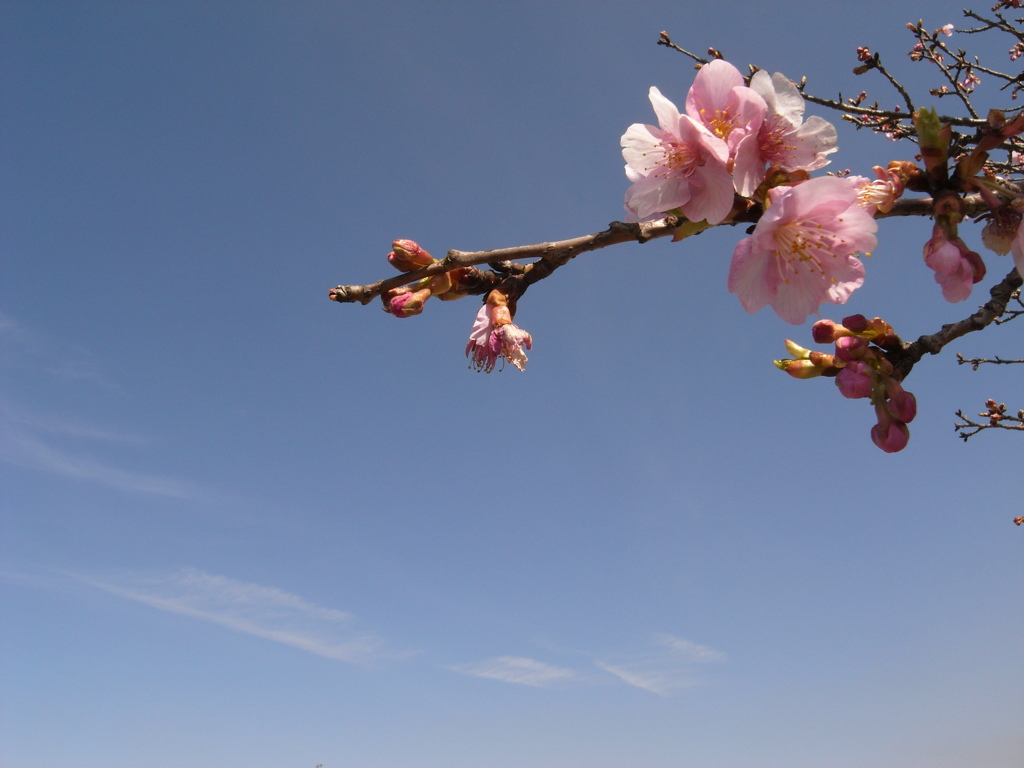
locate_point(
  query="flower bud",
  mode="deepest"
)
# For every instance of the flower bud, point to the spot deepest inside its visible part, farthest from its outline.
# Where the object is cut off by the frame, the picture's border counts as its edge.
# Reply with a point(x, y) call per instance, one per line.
point(856, 323)
point(856, 380)
point(933, 139)
point(439, 284)
point(902, 405)
point(827, 331)
point(406, 303)
point(822, 359)
point(798, 352)
point(851, 348)
point(408, 256)
point(889, 434)
point(799, 369)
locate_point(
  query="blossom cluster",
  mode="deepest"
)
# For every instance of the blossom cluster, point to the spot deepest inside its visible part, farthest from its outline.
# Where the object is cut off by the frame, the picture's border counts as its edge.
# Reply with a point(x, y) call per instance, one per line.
point(741, 151)
point(861, 370)
point(751, 142)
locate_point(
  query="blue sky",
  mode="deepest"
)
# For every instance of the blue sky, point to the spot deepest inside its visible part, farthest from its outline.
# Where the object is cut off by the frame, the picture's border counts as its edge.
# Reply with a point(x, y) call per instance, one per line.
point(246, 526)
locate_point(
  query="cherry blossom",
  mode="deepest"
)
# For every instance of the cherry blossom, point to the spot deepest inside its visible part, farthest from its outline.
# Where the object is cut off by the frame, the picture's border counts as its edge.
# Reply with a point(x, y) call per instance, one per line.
point(880, 194)
point(679, 164)
point(784, 138)
point(722, 102)
point(802, 253)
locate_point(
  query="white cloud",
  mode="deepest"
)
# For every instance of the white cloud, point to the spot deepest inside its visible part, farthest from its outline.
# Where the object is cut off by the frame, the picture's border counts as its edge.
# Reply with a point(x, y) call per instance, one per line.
point(654, 677)
point(24, 449)
point(65, 427)
point(664, 672)
point(69, 362)
point(517, 669)
point(254, 609)
point(686, 651)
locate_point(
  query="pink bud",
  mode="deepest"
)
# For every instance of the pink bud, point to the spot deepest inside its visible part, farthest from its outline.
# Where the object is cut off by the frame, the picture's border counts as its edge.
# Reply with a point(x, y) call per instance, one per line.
point(851, 348)
point(856, 380)
point(825, 331)
point(856, 323)
point(889, 434)
point(408, 256)
point(407, 304)
point(902, 405)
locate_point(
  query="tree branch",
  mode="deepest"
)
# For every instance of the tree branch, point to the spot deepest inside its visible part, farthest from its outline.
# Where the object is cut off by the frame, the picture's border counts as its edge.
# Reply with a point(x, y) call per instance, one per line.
point(1001, 293)
point(552, 255)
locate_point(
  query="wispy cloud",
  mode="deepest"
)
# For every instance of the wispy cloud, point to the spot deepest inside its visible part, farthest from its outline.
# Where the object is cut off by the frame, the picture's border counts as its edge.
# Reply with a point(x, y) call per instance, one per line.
point(69, 362)
point(684, 651)
point(517, 669)
point(253, 609)
point(64, 427)
point(24, 449)
point(664, 671)
point(54, 442)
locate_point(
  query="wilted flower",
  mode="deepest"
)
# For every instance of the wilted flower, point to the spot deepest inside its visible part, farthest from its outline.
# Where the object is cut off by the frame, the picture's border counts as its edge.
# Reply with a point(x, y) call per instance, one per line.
point(802, 253)
point(495, 336)
point(1018, 250)
point(1001, 229)
point(679, 164)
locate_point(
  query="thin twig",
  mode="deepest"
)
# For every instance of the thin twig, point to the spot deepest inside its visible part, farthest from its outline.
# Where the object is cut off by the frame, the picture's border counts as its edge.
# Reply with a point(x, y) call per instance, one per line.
point(932, 344)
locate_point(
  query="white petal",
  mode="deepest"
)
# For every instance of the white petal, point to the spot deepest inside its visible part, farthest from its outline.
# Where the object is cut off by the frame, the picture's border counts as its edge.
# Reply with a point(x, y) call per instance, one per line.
point(788, 101)
point(668, 114)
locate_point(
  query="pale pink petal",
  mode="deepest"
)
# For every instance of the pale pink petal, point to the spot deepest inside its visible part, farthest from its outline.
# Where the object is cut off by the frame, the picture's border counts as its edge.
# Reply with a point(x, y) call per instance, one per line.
point(692, 132)
point(749, 277)
point(748, 166)
point(788, 101)
point(641, 149)
point(711, 87)
point(666, 112)
point(654, 195)
point(712, 197)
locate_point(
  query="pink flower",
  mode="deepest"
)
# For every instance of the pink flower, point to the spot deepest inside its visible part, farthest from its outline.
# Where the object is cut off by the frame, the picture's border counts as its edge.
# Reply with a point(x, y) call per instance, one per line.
point(492, 339)
point(956, 267)
point(947, 30)
point(802, 253)
point(881, 194)
point(722, 102)
point(783, 139)
point(679, 164)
